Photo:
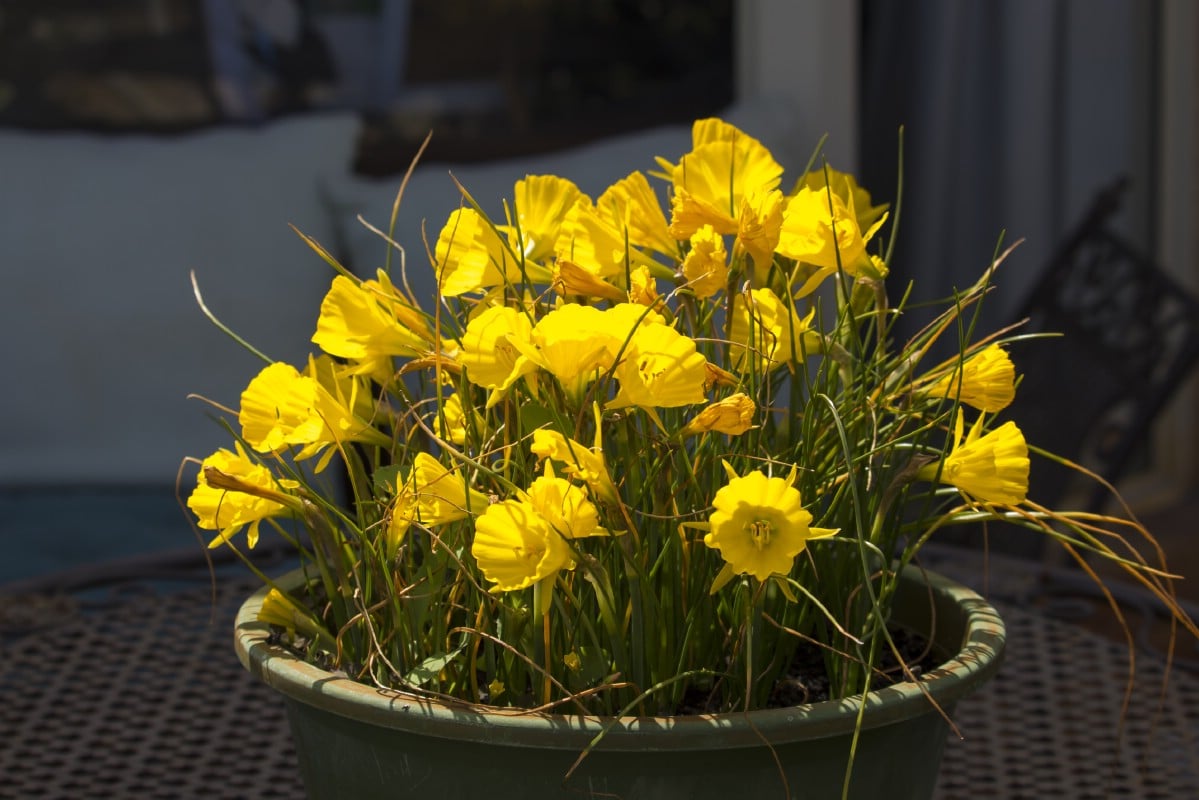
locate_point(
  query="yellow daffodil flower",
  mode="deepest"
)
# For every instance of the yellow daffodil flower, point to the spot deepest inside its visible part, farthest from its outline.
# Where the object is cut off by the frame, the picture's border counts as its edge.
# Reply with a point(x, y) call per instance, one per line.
point(718, 376)
point(577, 344)
point(522, 542)
point(992, 468)
point(643, 288)
point(572, 344)
point(820, 229)
point(759, 525)
point(705, 267)
point(542, 202)
point(733, 416)
point(564, 505)
point(846, 187)
point(711, 181)
point(630, 205)
point(281, 408)
point(345, 400)
point(450, 424)
point(660, 368)
point(986, 381)
point(577, 461)
point(594, 242)
point(516, 547)
point(571, 280)
point(770, 331)
point(232, 491)
point(279, 609)
point(758, 230)
point(359, 322)
point(277, 409)
point(431, 494)
point(472, 257)
point(489, 351)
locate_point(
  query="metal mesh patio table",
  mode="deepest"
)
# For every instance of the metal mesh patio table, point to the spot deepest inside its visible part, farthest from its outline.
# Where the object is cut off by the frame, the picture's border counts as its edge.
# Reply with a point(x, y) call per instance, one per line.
point(132, 690)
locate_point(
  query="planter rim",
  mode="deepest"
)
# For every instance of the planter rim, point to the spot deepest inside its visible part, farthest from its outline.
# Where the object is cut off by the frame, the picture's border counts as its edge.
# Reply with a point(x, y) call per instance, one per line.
point(975, 663)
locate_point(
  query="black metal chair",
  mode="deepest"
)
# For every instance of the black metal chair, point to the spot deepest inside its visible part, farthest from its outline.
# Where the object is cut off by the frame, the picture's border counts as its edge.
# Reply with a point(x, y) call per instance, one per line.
point(1130, 338)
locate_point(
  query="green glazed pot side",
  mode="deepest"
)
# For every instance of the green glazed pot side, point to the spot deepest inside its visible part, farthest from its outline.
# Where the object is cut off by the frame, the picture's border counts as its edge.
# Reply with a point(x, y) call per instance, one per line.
point(355, 741)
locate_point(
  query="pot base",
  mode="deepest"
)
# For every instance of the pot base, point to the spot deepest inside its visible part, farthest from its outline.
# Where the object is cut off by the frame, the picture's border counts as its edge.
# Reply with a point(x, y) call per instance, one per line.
point(360, 743)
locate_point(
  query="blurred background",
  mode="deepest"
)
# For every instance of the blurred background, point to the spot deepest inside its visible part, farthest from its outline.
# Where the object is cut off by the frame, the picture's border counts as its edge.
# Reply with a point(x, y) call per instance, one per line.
point(142, 140)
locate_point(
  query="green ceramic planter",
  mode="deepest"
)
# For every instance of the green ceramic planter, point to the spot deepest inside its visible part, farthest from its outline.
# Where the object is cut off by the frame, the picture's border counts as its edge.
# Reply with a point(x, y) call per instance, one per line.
point(359, 743)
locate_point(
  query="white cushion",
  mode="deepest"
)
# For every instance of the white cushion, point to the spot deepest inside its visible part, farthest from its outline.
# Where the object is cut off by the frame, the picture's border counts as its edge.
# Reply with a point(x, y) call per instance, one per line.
point(102, 340)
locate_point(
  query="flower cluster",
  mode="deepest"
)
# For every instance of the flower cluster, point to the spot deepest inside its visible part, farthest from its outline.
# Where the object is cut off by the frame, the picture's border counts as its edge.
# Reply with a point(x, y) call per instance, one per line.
point(638, 449)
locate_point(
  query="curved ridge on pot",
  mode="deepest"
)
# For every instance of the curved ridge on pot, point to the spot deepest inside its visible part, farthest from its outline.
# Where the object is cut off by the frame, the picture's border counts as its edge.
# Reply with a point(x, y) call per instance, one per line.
point(967, 625)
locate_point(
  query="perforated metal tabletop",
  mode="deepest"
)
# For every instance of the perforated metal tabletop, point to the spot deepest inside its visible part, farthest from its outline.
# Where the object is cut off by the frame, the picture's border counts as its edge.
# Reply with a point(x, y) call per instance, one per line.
point(133, 691)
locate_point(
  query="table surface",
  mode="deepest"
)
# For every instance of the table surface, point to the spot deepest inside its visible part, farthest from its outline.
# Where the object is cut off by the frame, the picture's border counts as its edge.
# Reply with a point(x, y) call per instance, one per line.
point(132, 690)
